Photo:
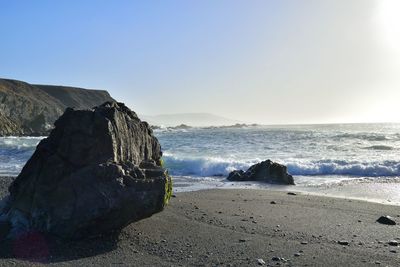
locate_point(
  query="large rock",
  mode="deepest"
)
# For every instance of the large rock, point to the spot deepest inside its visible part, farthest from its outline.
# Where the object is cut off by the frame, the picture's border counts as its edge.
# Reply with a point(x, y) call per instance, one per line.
point(98, 171)
point(265, 171)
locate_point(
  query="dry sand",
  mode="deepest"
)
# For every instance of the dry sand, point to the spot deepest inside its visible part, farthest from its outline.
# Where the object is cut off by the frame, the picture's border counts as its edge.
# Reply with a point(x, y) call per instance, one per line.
point(236, 228)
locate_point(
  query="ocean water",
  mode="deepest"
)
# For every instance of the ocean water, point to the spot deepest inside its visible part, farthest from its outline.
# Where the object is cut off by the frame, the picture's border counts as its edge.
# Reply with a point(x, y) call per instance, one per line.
point(349, 160)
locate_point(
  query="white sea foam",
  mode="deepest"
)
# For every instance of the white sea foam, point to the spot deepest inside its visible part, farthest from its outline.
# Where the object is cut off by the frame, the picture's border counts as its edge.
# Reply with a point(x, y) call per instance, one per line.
point(343, 167)
point(203, 167)
point(212, 166)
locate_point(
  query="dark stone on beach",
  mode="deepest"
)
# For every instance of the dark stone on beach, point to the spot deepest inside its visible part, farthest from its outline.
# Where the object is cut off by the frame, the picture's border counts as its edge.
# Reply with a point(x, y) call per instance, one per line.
point(260, 262)
point(386, 220)
point(273, 202)
point(276, 258)
point(292, 193)
point(265, 171)
point(343, 242)
point(98, 171)
point(393, 243)
point(235, 175)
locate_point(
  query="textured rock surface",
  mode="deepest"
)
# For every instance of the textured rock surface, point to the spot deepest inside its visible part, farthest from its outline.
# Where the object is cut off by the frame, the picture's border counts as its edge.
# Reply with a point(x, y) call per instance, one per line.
point(8, 127)
point(32, 109)
point(266, 171)
point(98, 171)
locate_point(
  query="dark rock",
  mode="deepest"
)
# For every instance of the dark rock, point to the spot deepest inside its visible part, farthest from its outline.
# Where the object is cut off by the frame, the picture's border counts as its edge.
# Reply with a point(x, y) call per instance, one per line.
point(292, 193)
point(273, 202)
point(393, 243)
point(343, 242)
point(386, 220)
point(181, 127)
point(98, 171)
point(235, 175)
point(265, 171)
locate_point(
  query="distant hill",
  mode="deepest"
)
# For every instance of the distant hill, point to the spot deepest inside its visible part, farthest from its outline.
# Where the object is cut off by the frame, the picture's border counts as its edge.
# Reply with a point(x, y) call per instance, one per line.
point(28, 109)
point(191, 119)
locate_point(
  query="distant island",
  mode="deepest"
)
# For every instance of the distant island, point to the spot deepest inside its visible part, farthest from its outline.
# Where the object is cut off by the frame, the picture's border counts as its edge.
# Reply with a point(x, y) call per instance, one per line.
point(190, 119)
point(31, 109)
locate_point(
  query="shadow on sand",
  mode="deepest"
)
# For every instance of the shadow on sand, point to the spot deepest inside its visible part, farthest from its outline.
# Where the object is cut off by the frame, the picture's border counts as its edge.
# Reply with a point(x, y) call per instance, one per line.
point(35, 247)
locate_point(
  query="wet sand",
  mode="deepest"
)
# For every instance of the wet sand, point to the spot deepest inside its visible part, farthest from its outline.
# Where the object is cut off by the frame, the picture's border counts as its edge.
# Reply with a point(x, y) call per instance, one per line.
point(236, 228)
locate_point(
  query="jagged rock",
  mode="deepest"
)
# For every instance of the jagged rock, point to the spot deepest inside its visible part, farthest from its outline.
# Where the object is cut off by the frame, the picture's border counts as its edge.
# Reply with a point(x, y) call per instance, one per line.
point(266, 171)
point(98, 171)
point(386, 220)
point(8, 127)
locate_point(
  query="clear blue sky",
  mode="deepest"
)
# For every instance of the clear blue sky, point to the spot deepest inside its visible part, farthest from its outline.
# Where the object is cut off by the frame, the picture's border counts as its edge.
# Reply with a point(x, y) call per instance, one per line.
point(287, 61)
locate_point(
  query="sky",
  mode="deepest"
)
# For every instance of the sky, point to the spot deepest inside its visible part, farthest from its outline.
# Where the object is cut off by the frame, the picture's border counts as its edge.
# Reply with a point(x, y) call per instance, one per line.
point(258, 61)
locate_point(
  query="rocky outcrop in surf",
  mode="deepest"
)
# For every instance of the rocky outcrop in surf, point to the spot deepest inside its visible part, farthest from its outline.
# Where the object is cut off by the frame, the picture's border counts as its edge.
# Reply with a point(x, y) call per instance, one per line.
point(27, 109)
point(98, 171)
point(265, 171)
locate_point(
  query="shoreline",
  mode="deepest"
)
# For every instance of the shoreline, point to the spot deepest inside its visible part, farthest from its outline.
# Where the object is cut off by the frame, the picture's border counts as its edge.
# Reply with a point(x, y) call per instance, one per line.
point(236, 227)
point(386, 191)
point(377, 190)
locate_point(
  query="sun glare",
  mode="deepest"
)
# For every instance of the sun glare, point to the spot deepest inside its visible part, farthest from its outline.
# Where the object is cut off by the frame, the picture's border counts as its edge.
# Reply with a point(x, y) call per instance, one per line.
point(389, 18)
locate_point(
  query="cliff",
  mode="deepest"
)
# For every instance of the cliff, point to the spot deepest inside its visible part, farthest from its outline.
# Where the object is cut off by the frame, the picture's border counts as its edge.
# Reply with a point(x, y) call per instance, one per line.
point(27, 109)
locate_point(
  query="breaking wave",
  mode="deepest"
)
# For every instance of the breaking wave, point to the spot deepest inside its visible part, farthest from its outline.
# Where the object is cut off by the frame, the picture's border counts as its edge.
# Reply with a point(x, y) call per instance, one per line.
point(203, 167)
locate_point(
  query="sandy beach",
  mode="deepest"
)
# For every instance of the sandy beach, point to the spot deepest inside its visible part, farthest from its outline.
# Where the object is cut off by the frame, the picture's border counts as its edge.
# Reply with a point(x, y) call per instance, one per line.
point(235, 228)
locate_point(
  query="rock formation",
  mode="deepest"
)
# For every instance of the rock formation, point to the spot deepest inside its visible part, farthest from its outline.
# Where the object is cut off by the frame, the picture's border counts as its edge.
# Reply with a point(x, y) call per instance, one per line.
point(33, 109)
point(265, 171)
point(8, 127)
point(98, 171)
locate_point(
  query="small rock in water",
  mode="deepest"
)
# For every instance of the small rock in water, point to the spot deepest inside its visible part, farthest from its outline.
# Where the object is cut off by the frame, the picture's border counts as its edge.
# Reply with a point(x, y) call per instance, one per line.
point(292, 193)
point(276, 258)
point(343, 242)
point(297, 254)
point(393, 251)
point(386, 220)
point(304, 242)
point(273, 202)
point(393, 243)
point(260, 262)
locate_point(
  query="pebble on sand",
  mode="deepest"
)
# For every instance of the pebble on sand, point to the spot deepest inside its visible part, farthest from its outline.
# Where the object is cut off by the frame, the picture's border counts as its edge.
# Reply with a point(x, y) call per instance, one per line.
point(260, 262)
point(386, 220)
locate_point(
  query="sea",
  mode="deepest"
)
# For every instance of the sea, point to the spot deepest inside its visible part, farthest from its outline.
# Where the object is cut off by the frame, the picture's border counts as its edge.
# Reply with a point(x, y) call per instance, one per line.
point(354, 161)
